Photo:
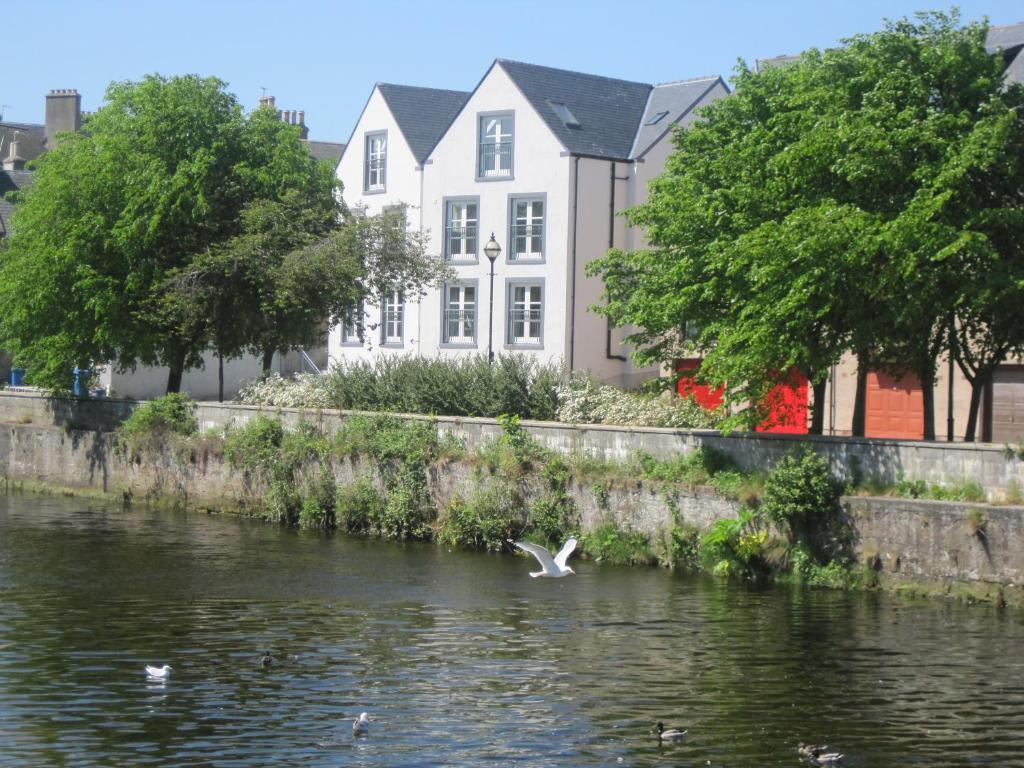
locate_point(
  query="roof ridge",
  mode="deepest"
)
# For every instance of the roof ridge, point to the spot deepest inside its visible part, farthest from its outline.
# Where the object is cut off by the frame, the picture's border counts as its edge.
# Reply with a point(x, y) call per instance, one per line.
point(572, 72)
point(701, 79)
point(422, 87)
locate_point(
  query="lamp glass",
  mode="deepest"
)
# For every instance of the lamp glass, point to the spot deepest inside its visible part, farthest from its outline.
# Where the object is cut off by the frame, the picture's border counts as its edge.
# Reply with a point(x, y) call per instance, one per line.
point(492, 250)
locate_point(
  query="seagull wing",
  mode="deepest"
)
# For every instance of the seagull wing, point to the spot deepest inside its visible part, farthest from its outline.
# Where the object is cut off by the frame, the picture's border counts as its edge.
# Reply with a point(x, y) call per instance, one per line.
point(563, 554)
point(542, 555)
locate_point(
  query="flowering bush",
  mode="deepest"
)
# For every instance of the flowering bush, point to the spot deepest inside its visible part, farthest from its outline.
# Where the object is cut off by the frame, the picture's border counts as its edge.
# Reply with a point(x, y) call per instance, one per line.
point(306, 390)
point(584, 400)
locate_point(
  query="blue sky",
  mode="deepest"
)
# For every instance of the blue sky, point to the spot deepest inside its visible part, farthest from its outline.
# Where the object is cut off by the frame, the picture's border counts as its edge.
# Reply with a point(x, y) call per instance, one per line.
point(324, 57)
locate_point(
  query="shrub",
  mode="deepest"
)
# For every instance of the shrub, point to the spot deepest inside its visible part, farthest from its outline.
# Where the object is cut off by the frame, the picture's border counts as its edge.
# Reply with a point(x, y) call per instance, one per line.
point(800, 491)
point(358, 507)
point(736, 547)
point(609, 544)
point(407, 511)
point(319, 502)
point(283, 503)
point(680, 548)
point(484, 521)
point(584, 400)
point(174, 413)
point(256, 446)
point(472, 386)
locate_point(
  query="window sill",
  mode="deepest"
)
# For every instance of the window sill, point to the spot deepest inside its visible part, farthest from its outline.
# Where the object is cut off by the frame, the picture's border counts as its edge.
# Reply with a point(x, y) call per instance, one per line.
point(524, 260)
point(509, 177)
point(393, 344)
point(352, 344)
point(375, 191)
point(525, 345)
point(457, 345)
point(462, 262)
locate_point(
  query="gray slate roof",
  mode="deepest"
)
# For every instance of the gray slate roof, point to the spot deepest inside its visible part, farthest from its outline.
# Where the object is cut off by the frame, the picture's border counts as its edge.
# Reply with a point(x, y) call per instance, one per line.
point(10, 181)
point(31, 139)
point(1010, 39)
point(677, 100)
point(422, 114)
point(325, 150)
point(608, 110)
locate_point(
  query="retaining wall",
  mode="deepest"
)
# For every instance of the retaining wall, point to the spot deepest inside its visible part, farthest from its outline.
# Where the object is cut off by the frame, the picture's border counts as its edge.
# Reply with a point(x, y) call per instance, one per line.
point(945, 545)
point(998, 471)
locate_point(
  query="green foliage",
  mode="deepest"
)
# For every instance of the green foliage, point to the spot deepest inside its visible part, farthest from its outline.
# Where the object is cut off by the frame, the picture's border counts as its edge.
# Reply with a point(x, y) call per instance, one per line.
point(359, 507)
point(466, 386)
point(609, 544)
point(319, 502)
point(255, 446)
point(680, 548)
point(968, 490)
point(283, 502)
point(491, 515)
point(803, 565)
point(171, 414)
point(408, 509)
point(736, 547)
point(800, 491)
point(862, 198)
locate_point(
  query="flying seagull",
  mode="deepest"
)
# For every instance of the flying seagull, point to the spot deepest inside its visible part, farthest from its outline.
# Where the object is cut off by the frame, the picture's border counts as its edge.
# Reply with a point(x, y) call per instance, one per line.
point(159, 672)
point(553, 568)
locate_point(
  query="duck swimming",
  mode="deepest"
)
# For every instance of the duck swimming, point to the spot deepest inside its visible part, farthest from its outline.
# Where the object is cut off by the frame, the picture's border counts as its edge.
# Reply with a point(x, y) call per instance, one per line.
point(669, 734)
point(817, 755)
point(266, 659)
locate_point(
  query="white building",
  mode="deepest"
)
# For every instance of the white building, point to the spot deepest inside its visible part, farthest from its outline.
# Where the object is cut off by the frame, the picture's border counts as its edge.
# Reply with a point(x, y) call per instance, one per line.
point(544, 159)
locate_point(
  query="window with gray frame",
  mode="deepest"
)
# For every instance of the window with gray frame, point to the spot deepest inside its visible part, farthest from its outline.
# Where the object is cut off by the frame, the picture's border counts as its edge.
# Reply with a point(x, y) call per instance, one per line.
point(461, 223)
point(527, 236)
point(525, 314)
point(496, 141)
point(459, 313)
point(352, 327)
point(392, 316)
point(375, 175)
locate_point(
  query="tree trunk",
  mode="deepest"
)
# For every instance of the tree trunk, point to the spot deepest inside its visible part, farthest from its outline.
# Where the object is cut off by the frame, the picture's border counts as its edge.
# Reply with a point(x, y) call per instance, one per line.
point(927, 379)
point(977, 388)
point(861, 396)
point(174, 377)
point(268, 359)
point(818, 409)
point(220, 376)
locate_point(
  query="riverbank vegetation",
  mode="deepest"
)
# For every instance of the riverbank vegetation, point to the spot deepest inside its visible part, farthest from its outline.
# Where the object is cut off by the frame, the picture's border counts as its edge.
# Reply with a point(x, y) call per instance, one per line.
point(381, 475)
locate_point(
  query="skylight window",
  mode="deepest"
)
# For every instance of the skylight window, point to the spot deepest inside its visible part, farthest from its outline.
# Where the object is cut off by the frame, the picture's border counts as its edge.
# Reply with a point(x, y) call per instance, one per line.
point(565, 114)
point(656, 118)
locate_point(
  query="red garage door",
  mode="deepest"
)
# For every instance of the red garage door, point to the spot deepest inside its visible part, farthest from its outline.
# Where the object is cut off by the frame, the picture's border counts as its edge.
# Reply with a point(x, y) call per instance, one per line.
point(894, 407)
point(786, 405)
point(705, 396)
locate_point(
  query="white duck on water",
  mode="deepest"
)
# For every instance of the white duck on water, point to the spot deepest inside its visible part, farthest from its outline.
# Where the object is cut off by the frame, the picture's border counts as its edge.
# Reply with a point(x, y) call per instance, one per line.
point(161, 673)
point(362, 725)
point(551, 567)
point(817, 755)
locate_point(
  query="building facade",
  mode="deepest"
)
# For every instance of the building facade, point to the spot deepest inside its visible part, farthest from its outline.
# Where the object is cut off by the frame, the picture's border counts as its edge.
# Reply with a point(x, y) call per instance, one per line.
point(543, 161)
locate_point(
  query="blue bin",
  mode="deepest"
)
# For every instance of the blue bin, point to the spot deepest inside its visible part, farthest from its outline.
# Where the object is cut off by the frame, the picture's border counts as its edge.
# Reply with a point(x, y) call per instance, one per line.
point(80, 381)
point(17, 377)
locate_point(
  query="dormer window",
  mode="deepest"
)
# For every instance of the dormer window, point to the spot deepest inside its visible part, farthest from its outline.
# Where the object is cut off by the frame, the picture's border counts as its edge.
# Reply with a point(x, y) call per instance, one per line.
point(496, 140)
point(564, 114)
point(375, 174)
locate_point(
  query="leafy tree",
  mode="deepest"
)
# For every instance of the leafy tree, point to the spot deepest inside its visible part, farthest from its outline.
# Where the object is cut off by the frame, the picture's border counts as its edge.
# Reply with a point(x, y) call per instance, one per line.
point(833, 205)
point(172, 223)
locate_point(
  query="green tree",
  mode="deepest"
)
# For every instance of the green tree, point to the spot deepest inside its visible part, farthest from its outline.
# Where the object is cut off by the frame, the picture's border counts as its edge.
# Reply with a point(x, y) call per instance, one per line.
point(819, 210)
point(174, 223)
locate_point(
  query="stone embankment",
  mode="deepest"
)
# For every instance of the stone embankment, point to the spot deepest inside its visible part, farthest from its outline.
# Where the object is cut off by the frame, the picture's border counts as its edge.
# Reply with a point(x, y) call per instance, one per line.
point(970, 550)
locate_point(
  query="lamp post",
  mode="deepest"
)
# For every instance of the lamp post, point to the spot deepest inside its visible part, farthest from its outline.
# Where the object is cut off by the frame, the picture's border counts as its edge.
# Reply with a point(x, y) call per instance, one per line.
point(492, 251)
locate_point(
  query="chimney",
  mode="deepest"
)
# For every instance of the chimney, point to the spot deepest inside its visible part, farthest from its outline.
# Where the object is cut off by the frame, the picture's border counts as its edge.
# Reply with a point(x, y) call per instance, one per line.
point(63, 114)
point(302, 124)
point(14, 161)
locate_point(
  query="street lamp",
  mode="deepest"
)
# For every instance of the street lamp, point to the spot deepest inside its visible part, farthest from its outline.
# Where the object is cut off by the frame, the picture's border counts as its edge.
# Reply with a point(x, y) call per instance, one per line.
point(492, 251)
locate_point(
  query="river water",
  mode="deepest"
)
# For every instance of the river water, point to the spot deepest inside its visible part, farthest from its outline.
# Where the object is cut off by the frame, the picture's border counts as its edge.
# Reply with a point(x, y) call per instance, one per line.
point(461, 659)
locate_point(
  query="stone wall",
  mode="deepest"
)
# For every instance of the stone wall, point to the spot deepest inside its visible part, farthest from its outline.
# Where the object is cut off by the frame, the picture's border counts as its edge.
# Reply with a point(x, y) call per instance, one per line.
point(885, 461)
point(938, 543)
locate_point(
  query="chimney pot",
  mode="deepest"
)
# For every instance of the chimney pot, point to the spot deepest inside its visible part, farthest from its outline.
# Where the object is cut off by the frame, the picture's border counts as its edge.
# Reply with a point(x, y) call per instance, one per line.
point(302, 117)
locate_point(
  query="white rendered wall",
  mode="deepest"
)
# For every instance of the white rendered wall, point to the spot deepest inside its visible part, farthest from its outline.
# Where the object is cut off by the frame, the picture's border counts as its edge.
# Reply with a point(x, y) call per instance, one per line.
point(538, 167)
point(402, 187)
point(147, 382)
